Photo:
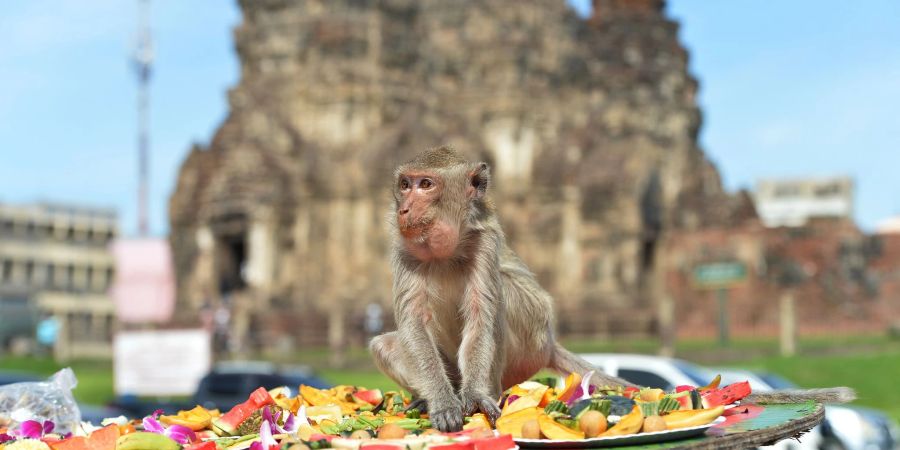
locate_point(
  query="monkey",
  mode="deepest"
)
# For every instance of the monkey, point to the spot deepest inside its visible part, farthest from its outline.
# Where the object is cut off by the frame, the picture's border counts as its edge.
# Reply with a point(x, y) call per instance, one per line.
point(471, 318)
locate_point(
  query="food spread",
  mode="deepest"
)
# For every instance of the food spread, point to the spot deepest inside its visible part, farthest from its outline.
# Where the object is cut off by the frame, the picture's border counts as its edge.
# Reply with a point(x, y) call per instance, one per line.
point(355, 418)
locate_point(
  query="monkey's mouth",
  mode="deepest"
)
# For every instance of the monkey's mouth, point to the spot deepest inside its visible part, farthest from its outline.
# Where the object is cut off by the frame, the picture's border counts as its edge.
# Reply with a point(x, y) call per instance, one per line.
point(417, 228)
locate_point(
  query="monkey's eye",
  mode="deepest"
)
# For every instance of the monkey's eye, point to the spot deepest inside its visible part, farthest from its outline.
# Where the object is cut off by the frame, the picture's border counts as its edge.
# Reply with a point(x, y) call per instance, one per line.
point(404, 184)
point(426, 184)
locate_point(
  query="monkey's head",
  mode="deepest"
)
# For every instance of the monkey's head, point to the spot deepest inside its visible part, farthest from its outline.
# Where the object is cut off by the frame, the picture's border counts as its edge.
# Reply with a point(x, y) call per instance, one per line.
point(440, 200)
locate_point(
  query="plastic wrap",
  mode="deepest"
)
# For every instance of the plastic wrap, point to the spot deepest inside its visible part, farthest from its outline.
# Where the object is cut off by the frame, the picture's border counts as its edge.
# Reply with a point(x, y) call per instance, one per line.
point(42, 400)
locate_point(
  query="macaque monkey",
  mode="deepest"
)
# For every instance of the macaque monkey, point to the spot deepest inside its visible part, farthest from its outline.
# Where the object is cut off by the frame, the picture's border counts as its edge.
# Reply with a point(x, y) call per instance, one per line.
point(472, 320)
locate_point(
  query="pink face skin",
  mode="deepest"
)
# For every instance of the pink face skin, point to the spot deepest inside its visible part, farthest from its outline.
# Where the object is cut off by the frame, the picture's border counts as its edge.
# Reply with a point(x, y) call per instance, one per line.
point(425, 237)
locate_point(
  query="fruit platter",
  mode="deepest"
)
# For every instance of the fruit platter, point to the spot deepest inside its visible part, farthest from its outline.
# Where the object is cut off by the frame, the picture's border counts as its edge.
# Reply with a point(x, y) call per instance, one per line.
point(534, 414)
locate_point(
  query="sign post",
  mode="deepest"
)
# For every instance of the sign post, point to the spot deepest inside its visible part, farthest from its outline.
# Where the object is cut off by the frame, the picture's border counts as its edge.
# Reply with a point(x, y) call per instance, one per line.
point(720, 276)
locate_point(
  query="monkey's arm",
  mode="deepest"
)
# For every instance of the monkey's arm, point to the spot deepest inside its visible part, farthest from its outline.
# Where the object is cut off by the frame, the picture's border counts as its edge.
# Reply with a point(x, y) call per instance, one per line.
point(480, 357)
point(414, 334)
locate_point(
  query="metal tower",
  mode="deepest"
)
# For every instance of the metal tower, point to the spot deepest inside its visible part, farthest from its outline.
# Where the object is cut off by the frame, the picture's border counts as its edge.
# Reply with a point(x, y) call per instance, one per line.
point(143, 64)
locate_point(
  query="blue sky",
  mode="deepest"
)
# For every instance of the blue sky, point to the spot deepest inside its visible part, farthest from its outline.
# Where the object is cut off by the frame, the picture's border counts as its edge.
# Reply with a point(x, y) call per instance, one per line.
point(802, 88)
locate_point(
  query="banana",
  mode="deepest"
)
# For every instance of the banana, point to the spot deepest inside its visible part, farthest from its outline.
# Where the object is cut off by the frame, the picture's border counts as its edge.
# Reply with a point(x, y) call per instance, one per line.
point(142, 440)
point(692, 418)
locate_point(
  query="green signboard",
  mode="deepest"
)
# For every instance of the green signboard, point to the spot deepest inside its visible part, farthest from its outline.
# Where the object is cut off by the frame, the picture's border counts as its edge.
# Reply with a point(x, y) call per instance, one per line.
point(719, 274)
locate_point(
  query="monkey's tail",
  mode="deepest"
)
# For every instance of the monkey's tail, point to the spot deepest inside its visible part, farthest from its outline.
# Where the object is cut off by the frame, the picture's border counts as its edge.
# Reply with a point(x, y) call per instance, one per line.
point(824, 395)
point(566, 362)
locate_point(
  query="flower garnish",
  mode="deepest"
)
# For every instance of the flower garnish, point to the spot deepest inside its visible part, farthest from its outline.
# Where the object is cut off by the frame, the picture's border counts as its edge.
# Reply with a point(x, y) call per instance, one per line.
point(179, 433)
point(34, 429)
point(266, 441)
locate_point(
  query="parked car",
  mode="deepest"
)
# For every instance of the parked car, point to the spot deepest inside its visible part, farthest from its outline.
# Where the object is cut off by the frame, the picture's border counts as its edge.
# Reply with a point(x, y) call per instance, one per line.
point(651, 371)
point(226, 385)
point(846, 427)
point(666, 373)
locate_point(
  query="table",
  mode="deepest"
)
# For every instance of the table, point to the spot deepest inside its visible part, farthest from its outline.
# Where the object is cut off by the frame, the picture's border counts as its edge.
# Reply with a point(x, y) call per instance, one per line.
point(755, 425)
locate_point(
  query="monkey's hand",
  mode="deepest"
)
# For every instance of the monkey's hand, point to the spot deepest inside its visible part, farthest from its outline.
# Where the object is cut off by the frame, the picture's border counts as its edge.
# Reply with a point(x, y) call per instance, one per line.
point(449, 418)
point(475, 402)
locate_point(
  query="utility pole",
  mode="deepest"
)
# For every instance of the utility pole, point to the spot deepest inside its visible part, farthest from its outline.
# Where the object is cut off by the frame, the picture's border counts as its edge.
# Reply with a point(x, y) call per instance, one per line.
point(143, 65)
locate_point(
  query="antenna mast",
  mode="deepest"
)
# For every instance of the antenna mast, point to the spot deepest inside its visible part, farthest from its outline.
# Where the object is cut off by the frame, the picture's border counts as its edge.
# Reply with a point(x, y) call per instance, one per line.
point(143, 64)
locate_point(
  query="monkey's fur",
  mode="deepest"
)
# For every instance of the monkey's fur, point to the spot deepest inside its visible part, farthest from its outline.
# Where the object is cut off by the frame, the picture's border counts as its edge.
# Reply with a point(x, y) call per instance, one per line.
point(472, 319)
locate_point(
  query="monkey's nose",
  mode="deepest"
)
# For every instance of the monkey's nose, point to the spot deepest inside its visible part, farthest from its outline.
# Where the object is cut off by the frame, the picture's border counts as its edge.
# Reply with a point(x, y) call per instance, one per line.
point(403, 211)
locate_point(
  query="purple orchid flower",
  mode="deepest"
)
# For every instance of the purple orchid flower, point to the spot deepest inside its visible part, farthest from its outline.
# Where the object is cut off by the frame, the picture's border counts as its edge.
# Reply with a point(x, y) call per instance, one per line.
point(6, 438)
point(179, 433)
point(33, 429)
point(266, 441)
point(583, 391)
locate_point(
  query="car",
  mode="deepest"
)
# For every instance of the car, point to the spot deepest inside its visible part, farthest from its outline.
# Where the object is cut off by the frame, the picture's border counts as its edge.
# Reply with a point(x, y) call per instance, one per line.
point(229, 384)
point(846, 427)
point(650, 371)
point(226, 385)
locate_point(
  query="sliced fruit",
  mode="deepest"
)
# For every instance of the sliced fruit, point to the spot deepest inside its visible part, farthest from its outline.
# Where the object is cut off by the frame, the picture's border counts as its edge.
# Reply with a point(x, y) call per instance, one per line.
point(101, 439)
point(555, 430)
point(519, 404)
point(373, 397)
point(629, 424)
point(208, 445)
point(726, 395)
point(651, 394)
point(631, 392)
point(196, 419)
point(504, 442)
point(320, 413)
point(712, 384)
point(228, 422)
point(590, 404)
point(461, 445)
point(512, 423)
point(573, 382)
point(478, 421)
point(619, 405)
point(315, 397)
point(143, 440)
point(693, 418)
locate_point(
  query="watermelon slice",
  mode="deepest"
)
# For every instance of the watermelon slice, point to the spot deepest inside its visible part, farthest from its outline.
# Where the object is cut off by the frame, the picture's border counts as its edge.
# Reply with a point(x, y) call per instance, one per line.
point(227, 424)
point(726, 395)
point(371, 396)
point(503, 442)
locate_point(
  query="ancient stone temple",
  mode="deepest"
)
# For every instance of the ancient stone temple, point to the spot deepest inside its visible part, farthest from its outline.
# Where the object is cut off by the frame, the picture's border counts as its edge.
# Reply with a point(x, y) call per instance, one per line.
point(590, 125)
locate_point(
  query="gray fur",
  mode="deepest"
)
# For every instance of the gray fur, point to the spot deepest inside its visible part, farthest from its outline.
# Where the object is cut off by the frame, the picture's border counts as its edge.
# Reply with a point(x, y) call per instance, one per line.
point(476, 323)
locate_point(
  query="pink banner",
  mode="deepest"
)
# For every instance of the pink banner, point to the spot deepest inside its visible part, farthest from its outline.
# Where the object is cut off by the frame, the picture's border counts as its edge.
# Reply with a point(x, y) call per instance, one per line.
point(144, 286)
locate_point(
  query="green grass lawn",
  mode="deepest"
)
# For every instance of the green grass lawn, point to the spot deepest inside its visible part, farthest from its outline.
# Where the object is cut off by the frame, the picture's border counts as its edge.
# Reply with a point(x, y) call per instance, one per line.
point(873, 375)
point(95, 380)
point(868, 364)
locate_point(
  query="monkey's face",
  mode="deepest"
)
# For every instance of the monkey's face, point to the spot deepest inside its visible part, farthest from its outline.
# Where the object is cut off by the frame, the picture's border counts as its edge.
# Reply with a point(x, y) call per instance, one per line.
point(434, 207)
point(417, 194)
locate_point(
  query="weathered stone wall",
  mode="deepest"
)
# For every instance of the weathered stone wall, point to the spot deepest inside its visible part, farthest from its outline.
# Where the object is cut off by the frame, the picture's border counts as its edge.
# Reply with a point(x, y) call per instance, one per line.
point(590, 126)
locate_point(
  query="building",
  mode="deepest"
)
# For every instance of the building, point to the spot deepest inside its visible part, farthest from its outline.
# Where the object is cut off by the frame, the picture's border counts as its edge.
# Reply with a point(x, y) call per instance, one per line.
point(590, 126)
point(793, 202)
point(55, 262)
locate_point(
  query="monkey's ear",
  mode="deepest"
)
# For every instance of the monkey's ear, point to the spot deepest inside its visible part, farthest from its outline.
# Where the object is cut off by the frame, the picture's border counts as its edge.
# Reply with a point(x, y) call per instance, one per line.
point(479, 178)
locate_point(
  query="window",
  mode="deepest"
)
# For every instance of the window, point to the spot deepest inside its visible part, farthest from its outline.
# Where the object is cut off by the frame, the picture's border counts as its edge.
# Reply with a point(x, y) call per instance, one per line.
point(644, 378)
point(70, 277)
point(89, 276)
point(29, 272)
point(51, 274)
point(7, 270)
